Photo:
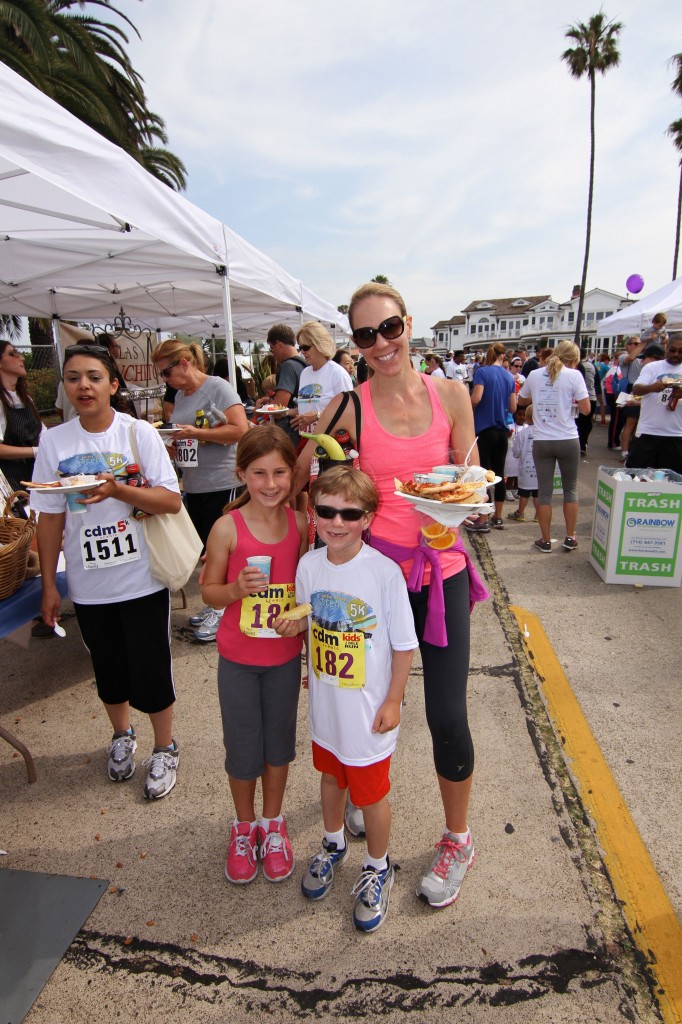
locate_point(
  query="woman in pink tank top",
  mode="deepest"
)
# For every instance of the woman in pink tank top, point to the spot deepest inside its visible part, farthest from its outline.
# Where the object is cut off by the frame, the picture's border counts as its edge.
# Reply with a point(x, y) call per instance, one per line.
point(410, 423)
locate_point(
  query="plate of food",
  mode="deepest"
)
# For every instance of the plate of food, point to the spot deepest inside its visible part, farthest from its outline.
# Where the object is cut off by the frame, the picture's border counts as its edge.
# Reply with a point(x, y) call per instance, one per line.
point(448, 503)
point(273, 410)
point(67, 485)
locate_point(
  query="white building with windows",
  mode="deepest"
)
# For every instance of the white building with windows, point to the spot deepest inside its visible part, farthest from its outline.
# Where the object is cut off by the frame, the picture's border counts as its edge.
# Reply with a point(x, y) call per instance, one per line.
point(530, 322)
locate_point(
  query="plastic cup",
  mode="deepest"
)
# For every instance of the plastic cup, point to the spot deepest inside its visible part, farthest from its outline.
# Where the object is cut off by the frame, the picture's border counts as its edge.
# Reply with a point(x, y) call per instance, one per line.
point(261, 562)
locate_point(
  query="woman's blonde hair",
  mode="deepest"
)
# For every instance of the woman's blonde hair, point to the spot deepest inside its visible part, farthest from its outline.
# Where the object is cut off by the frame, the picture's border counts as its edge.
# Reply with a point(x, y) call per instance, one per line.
point(566, 353)
point(496, 350)
point(313, 333)
point(174, 348)
point(382, 291)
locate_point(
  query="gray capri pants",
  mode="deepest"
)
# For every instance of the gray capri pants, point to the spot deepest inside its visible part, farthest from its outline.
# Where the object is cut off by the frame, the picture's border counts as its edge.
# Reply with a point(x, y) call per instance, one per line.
point(567, 454)
point(258, 705)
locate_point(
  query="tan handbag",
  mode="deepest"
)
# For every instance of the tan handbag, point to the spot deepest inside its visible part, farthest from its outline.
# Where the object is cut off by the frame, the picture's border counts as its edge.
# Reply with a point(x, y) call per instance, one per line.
point(173, 544)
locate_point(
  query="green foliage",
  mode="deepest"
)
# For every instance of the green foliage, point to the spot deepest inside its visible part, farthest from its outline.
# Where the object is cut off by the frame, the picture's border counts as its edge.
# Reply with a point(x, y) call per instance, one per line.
point(42, 387)
point(82, 64)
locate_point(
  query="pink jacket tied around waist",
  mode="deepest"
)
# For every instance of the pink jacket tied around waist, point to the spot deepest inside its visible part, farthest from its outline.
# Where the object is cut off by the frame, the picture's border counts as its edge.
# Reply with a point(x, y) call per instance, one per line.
point(434, 629)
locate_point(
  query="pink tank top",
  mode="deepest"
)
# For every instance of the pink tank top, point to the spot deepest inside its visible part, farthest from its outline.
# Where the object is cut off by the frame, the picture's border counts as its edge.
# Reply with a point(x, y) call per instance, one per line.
point(384, 456)
point(245, 634)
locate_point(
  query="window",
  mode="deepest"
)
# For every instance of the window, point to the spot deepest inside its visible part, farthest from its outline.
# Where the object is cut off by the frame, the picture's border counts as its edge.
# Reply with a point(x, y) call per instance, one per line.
point(600, 316)
point(503, 325)
point(589, 317)
point(441, 336)
point(571, 316)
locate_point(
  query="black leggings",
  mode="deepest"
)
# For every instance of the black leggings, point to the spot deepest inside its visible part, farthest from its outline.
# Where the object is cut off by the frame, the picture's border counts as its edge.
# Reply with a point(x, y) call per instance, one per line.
point(492, 453)
point(446, 670)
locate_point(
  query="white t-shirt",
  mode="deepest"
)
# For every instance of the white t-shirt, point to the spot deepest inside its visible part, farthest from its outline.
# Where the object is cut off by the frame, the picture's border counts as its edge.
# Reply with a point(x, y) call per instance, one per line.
point(553, 404)
point(437, 372)
point(361, 614)
point(62, 403)
point(522, 446)
point(316, 388)
point(105, 548)
point(655, 417)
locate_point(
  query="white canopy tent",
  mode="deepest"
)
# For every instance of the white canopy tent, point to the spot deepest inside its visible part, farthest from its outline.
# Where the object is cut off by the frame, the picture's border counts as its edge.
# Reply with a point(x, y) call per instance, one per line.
point(86, 231)
point(639, 315)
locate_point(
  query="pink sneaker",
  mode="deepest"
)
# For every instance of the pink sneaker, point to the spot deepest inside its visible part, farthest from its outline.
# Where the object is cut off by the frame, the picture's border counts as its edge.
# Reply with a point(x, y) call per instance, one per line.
point(275, 851)
point(241, 865)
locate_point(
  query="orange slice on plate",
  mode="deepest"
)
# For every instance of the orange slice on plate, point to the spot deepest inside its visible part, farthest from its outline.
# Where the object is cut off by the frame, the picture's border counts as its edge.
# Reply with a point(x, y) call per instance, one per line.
point(433, 530)
point(443, 542)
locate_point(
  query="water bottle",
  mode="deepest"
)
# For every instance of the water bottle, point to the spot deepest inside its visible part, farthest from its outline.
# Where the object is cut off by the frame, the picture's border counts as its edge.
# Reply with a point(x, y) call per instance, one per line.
point(216, 416)
point(134, 478)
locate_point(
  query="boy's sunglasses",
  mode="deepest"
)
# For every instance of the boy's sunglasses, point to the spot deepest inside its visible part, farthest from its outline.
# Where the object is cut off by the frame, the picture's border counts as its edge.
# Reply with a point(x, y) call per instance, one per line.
point(392, 328)
point(349, 515)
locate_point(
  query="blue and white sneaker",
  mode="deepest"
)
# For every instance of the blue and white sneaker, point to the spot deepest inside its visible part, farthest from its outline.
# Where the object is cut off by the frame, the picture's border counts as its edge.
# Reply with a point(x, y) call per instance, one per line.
point(121, 764)
point(319, 877)
point(355, 819)
point(373, 892)
point(163, 770)
point(200, 617)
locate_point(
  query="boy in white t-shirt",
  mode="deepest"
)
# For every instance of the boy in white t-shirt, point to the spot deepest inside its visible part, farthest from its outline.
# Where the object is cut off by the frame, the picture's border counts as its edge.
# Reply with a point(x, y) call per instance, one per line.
point(522, 447)
point(360, 643)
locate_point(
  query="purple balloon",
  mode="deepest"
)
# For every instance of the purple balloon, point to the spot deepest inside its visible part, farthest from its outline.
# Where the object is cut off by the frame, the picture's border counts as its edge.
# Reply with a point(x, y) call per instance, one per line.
point(635, 283)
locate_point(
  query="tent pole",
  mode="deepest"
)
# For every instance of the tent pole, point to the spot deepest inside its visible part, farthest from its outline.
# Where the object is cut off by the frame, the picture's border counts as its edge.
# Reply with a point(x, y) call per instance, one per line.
point(229, 337)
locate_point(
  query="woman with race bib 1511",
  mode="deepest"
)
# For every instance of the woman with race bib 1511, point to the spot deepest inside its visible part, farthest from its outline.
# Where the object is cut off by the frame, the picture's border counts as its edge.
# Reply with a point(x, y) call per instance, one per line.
point(411, 422)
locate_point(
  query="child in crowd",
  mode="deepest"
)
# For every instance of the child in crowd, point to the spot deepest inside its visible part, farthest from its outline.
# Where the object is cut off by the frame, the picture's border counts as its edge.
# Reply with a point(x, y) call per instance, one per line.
point(259, 671)
point(528, 480)
point(511, 464)
point(360, 648)
point(269, 388)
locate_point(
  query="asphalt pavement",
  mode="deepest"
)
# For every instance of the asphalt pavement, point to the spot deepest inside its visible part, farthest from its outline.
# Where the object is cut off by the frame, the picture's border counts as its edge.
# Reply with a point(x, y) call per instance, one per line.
point(538, 931)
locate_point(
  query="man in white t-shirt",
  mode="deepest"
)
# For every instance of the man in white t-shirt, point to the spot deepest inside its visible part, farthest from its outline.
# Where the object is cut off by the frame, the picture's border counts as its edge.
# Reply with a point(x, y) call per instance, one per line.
point(457, 369)
point(658, 443)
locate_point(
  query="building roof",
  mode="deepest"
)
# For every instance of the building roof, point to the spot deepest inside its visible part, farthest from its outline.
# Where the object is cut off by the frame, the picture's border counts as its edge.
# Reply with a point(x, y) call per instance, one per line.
point(454, 321)
point(506, 307)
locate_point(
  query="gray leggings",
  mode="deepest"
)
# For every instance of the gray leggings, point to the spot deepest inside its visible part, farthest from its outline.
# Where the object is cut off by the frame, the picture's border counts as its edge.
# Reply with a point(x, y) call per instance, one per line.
point(567, 454)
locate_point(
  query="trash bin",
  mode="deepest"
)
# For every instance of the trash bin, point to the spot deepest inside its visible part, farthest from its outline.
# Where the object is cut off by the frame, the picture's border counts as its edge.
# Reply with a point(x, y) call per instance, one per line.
point(636, 527)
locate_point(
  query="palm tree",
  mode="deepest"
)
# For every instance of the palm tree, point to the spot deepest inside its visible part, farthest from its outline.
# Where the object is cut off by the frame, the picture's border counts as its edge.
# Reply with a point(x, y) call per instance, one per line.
point(10, 326)
point(675, 132)
point(595, 50)
point(81, 62)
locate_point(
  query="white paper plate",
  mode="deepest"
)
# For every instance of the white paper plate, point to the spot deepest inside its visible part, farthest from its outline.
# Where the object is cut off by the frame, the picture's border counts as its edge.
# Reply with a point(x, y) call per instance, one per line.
point(451, 514)
point(71, 489)
point(168, 431)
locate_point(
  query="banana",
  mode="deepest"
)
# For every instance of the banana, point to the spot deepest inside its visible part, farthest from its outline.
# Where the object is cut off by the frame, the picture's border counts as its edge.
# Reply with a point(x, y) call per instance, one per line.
point(330, 445)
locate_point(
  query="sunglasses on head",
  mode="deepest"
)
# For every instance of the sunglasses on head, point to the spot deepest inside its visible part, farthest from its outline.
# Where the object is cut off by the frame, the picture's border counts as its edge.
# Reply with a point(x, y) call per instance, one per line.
point(391, 328)
point(169, 369)
point(349, 515)
point(304, 348)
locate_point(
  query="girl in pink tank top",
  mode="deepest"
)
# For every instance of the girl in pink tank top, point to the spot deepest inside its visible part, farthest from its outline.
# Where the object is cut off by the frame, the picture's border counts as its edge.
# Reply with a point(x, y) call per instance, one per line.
point(259, 672)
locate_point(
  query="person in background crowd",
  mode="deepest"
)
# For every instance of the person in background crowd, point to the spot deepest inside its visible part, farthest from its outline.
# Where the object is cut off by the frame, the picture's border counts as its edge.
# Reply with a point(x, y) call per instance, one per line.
point(290, 366)
point(434, 364)
point(553, 391)
point(601, 365)
point(630, 365)
point(343, 357)
point(222, 369)
point(20, 424)
point(522, 447)
point(584, 423)
point(515, 367)
point(204, 453)
point(493, 396)
point(457, 369)
point(322, 377)
point(658, 442)
point(657, 332)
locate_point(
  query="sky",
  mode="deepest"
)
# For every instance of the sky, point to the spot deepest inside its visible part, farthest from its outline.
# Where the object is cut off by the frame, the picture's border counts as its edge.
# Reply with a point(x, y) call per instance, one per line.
point(442, 143)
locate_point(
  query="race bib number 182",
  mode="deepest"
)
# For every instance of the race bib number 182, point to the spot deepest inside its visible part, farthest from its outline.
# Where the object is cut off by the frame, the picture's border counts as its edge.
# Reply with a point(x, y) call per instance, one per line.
point(339, 657)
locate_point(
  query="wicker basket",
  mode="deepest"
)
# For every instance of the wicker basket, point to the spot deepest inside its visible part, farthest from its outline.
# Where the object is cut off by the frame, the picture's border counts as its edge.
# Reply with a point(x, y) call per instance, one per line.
point(15, 536)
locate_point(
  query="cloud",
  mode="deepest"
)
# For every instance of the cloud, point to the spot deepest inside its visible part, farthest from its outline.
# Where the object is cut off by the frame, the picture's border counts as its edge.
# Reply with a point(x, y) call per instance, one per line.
point(444, 144)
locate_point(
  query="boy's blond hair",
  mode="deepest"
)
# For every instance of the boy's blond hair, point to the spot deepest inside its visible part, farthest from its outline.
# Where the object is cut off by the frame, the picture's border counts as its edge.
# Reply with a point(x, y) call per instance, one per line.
point(269, 383)
point(348, 483)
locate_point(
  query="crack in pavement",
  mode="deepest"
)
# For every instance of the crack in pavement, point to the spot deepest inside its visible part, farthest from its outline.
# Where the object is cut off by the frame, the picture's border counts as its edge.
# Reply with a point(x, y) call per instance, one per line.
point(216, 979)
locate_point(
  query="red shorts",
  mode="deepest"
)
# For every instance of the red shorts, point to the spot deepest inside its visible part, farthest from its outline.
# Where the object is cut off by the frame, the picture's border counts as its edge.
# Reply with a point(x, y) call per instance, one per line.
point(367, 783)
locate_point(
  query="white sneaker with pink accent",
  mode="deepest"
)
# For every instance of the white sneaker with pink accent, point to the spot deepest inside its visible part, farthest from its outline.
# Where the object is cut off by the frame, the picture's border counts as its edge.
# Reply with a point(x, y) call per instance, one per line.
point(441, 885)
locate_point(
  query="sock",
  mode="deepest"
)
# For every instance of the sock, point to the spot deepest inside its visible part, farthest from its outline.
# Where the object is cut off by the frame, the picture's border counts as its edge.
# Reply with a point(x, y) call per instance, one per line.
point(265, 822)
point(380, 863)
point(252, 824)
point(462, 837)
point(172, 747)
point(336, 837)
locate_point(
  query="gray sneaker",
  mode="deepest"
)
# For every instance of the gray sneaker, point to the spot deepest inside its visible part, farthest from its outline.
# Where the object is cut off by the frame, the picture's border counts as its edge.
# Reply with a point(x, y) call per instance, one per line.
point(200, 617)
point(163, 767)
point(373, 892)
point(121, 753)
point(319, 877)
point(441, 885)
point(355, 819)
point(208, 629)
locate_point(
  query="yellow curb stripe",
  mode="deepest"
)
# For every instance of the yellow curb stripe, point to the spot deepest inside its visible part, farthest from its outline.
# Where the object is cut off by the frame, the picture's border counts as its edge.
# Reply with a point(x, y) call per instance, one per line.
point(646, 906)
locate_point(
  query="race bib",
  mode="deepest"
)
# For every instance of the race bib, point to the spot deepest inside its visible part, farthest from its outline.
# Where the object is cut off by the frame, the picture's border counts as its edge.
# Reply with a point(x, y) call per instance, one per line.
point(338, 658)
point(187, 453)
point(260, 610)
point(109, 544)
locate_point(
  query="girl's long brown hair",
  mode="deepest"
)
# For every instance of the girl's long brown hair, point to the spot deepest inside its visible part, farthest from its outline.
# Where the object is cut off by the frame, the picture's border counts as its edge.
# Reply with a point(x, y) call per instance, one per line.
point(22, 391)
point(254, 445)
